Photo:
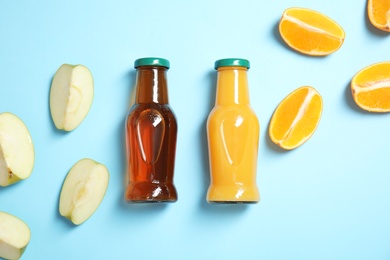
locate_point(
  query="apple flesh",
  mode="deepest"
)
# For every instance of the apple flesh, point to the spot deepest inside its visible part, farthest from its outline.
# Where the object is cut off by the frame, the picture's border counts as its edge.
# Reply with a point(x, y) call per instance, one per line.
point(83, 190)
point(16, 150)
point(71, 96)
point(14, 236)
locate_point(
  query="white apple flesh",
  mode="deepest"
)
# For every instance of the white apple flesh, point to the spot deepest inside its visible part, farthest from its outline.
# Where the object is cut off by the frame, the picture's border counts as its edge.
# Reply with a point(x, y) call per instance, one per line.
point(14, 236)
point(83, 190)
point(16, 150)
point(71, 96)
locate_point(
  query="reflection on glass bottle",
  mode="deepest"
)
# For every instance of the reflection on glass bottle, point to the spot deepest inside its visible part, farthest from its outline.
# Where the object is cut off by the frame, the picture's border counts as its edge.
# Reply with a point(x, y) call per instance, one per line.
point(151, 132)
point(233, 137)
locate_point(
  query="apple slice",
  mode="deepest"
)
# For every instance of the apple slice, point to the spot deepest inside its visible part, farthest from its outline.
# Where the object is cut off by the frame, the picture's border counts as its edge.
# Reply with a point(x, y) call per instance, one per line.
point(14, 236)
point(83, 190)
point(71, 96)
point(16, 150)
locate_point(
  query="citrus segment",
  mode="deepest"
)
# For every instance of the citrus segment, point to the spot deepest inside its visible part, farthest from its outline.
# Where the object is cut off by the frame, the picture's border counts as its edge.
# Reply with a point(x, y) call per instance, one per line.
point(310, 32)
point(379, 14)
point(371, 87)
point(296, 118)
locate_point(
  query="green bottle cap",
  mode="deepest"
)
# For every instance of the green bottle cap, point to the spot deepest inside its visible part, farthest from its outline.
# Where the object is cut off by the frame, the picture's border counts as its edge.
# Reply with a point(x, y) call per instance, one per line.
point(232, 62)
point(152, 61)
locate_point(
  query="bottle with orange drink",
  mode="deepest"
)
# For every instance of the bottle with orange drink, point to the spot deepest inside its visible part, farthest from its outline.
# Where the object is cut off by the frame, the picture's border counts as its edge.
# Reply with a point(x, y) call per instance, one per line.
point(233, 137)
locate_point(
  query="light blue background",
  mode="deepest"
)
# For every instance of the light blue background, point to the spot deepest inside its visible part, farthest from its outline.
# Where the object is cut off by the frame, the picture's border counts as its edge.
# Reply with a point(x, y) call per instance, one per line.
point(328, 199)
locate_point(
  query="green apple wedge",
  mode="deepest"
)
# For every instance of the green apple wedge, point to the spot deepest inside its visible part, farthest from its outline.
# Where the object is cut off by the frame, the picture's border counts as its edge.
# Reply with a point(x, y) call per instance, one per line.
point(16, 150)
point(83, 190)
point(14, 236)
point(71, 96)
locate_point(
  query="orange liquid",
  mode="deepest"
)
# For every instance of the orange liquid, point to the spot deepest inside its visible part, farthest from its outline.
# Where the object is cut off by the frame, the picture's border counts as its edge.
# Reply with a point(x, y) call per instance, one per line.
point(233, 137)
point(151, 132)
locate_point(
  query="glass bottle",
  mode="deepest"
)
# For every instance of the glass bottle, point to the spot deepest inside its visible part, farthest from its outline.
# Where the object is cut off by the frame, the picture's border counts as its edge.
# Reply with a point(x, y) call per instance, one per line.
point(151, 133)
point(233, 137)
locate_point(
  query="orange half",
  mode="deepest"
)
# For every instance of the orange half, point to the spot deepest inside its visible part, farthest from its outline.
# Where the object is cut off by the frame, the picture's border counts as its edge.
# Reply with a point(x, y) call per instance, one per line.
point(371, 87)
point(379, 14)
point(310, 32)
point(296, 118)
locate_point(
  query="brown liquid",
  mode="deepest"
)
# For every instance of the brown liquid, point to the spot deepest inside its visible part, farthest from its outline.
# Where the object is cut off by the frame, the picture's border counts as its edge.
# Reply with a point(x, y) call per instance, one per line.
point(151, 132)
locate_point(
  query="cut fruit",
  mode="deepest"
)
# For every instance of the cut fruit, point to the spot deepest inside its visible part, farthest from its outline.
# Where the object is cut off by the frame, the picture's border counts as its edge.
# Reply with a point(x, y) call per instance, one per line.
point(310, 32)
point(16, 150)
point(379, 14)
point(71, 96)
point(296, 118)
point(371, 87)
point(14, 236)
point(83, 190)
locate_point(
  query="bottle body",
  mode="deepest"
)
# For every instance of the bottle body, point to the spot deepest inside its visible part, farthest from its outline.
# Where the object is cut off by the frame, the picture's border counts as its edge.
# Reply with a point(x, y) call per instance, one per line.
point(151, 133)
point(233, 137)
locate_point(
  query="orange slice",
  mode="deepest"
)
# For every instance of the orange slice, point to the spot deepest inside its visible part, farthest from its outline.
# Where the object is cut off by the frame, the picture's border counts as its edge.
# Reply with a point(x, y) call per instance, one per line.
point(310, 32)
point(296, 118)
point(379, 14)
point(371, 87)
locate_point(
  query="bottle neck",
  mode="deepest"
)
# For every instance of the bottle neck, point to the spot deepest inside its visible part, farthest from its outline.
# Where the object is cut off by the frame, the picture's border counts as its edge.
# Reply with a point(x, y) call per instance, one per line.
point(232, 86)
point(151, 85)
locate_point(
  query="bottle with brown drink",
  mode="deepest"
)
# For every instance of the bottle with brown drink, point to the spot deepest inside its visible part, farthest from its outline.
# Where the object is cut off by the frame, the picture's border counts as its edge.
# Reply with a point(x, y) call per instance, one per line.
point(151, 133)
